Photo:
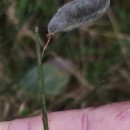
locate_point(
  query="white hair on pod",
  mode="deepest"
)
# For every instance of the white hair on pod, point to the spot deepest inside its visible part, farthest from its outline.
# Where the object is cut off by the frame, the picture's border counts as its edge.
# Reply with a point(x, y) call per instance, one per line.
point(77, 13)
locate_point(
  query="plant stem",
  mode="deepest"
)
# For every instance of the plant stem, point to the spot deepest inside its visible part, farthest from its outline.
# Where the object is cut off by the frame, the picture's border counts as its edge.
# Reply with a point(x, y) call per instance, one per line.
point(40, 80)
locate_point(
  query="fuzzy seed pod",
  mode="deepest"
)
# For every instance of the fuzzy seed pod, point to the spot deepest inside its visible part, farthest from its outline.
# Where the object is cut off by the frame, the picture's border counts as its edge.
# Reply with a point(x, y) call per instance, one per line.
point(77, 13)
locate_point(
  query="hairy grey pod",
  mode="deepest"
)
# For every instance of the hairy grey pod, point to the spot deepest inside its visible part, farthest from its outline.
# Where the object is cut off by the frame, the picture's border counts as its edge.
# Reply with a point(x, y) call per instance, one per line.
point(77, 13)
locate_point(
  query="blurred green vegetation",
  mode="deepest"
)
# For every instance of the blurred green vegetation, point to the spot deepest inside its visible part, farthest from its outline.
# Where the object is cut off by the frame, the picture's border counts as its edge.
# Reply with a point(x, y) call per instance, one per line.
point(89, 66)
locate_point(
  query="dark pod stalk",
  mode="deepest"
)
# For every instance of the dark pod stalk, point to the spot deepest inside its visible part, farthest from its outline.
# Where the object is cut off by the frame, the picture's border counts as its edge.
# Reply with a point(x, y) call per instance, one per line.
point(40, 80)
point(77, 13)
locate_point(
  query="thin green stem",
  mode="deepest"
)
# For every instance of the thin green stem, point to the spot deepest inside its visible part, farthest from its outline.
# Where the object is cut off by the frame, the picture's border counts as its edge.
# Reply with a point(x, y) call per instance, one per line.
point(41, 81)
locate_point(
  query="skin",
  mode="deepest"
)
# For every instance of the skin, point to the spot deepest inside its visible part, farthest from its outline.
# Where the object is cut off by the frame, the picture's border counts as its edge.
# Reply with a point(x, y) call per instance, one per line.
point(109, 117)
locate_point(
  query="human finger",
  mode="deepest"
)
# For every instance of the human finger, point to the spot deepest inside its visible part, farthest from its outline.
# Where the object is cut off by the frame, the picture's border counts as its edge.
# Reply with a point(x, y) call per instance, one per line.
point(108, 117)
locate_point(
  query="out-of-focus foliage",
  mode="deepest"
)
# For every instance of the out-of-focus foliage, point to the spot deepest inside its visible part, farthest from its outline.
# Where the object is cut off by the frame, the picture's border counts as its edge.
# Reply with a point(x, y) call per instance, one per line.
point(97, 70)
point(55, 79)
